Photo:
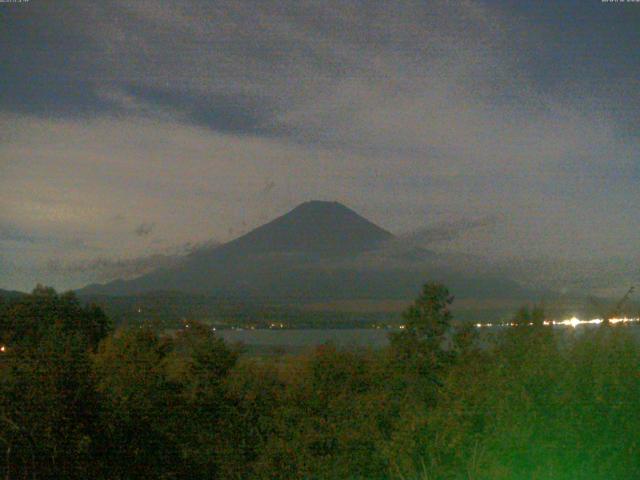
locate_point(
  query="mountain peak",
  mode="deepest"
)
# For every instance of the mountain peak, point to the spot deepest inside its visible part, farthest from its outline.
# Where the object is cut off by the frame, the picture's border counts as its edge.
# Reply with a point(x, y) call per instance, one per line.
point(311, 232)
point(320, 205)
point(321, 227)
point(319, 208)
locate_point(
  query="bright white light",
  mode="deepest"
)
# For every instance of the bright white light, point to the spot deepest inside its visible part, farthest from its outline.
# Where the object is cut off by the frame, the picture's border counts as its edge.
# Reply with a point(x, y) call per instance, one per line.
point(622, 320)
point(570, 322)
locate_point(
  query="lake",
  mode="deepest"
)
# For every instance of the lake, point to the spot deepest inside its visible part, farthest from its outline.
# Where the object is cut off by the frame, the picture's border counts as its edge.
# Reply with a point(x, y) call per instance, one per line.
point(291, 341)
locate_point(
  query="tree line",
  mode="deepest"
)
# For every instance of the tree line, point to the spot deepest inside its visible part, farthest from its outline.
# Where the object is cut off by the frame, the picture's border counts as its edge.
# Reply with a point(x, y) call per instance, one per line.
point(80, 399)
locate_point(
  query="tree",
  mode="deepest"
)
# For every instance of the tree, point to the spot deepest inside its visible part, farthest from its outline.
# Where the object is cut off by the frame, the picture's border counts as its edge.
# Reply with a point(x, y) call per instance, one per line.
point(25, 321)
point(163, 401)
point(419, 346)
point(200, 363)
point(138, 400)
point(47, 397)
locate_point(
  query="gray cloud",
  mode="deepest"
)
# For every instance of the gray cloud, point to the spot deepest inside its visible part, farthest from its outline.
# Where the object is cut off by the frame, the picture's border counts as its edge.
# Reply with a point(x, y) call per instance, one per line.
point(446, 231)
point(144, 229)
point(14, 234)
point(268, 188)
point(181, 110)
point(426, 244)
point(107, 268)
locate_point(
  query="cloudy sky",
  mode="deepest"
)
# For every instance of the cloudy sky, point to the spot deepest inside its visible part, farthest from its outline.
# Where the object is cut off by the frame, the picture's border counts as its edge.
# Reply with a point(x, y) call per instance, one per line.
point(132, 131)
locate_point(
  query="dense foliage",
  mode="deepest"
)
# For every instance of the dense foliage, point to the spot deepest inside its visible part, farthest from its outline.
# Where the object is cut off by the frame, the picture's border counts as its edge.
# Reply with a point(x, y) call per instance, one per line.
point(78, 400)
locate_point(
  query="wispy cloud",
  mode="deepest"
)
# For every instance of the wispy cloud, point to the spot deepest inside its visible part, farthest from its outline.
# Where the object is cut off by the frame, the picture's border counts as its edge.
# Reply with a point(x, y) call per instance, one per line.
point(446, 231)
point(103, 268)
point(218, 116)
point(144, 229)
point(13, 234)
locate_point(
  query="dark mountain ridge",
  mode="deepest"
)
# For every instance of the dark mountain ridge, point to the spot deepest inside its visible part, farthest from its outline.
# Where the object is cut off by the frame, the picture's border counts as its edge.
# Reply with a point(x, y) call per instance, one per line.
point(312, 228)
point(319, 251)
point(275, 258)
point(10, 294)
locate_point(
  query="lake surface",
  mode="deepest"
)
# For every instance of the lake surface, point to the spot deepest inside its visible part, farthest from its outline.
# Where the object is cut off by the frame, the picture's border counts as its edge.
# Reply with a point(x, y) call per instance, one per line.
point(271, 341)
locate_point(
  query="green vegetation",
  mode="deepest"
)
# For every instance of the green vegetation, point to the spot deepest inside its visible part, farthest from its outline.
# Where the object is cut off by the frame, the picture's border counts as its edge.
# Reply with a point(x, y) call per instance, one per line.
point(79, 400)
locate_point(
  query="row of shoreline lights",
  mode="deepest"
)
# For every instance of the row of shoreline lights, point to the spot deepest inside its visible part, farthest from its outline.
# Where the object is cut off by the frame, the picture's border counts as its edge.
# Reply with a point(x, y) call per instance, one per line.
point(571, 322)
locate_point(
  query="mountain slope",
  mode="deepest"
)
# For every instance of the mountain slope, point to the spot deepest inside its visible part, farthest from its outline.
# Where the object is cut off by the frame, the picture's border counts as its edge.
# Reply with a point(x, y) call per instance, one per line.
point(10, 294)
point(315, 228)
point(318, 251)
point(276, 256)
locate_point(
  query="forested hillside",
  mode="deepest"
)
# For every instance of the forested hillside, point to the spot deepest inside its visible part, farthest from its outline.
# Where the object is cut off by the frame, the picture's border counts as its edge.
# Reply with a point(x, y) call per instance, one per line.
point(79, 400)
